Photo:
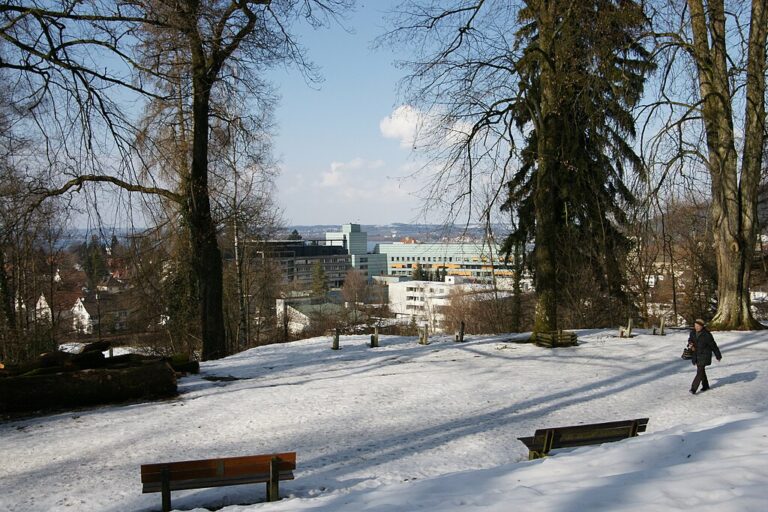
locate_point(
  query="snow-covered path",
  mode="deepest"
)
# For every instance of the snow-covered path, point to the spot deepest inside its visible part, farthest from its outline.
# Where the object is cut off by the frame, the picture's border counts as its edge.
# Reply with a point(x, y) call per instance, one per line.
point(411, 427)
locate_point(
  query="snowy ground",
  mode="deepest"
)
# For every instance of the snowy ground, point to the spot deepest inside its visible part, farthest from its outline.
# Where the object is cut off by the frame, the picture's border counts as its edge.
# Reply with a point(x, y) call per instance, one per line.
point(410, 427)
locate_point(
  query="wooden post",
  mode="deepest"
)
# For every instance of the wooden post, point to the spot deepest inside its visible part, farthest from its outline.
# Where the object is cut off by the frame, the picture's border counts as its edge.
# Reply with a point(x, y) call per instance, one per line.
point(335, 340)
point(166, 488)
point(661, 326)
point(375, 338)
point(285, 320)
point(460, 334)
point(273, 486)
point(629, 327)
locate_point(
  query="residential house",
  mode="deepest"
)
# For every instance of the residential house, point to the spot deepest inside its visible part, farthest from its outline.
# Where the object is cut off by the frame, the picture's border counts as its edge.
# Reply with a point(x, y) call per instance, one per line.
point(101, 313)
point(297, 314)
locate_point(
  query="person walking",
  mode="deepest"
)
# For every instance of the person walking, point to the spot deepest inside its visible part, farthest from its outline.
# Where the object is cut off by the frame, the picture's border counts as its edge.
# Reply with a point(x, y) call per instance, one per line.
point(703, 347)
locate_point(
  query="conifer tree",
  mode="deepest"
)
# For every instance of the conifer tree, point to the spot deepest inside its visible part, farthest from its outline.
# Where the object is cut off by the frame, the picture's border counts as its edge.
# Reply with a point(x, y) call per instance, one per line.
point(319, 280)
point(582, 71)
point(533, 97)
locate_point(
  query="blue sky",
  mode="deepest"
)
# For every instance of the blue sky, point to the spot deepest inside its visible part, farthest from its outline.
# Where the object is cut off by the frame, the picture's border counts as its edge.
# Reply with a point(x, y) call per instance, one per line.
point(343, 156)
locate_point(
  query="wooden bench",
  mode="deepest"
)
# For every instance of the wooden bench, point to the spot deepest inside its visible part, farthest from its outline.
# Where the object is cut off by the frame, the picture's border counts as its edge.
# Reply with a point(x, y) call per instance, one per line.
point(553, 339)
point(546, 439)
point(199, 474)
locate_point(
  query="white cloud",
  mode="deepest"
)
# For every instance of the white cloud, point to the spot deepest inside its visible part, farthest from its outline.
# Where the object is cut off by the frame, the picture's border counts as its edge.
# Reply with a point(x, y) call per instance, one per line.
point(403, 124)
point(418, 129)
point(341, 173)
point(355, 190)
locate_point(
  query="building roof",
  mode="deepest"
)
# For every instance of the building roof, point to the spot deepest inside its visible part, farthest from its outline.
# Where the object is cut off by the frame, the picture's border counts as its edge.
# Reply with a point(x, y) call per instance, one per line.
point(310, 309)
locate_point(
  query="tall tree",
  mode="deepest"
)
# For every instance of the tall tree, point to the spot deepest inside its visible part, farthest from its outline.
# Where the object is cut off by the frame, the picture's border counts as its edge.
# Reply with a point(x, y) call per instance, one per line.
point(202, 44)
point(584, 71)
point(727, 46)
point(535, 96)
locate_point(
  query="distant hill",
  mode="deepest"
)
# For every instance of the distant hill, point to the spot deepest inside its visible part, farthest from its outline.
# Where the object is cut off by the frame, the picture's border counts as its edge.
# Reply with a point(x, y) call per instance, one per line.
point(397, 231)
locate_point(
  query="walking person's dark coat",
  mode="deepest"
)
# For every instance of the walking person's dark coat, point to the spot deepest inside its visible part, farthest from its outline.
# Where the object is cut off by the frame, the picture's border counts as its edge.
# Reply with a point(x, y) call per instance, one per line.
point(704, 346)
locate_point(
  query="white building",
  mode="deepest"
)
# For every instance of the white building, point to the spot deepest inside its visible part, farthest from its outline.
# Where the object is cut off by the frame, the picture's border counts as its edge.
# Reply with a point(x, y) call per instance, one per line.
point(43, 310)
point(426, 302)
point(82, 321)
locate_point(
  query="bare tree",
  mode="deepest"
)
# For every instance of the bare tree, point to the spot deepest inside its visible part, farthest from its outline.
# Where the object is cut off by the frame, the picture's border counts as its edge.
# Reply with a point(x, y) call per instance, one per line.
point(354, 291)
point(184, 52)
point(726, 47)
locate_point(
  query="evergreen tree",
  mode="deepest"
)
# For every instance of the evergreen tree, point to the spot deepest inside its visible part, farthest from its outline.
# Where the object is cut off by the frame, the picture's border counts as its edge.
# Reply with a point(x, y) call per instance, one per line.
point(540, 91)
point(319, 280)
point(582, 72)
point(93, 260)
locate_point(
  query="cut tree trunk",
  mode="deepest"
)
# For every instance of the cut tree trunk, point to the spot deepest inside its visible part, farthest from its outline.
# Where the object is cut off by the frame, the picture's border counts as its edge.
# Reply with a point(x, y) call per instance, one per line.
point(87, 387)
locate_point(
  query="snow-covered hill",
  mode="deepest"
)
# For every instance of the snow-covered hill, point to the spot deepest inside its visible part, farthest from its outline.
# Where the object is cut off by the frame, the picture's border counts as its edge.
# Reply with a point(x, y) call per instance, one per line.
point(410, 427)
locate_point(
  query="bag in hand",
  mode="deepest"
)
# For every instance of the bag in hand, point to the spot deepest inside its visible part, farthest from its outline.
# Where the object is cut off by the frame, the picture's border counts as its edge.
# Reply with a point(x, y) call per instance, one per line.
point(688, 351)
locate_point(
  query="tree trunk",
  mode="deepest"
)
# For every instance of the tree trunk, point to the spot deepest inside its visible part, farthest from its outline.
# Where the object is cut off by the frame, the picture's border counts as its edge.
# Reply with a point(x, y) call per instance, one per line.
point(242, 318)
point(87, 387)
point(545, 195)
point(6, 295)
point(734, 193)
point(206, 256)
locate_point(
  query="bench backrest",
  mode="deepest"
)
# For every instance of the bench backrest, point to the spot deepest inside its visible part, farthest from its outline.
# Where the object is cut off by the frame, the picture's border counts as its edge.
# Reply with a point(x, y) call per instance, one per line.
point(547, 439)
point(596, 433)
point(195, 474)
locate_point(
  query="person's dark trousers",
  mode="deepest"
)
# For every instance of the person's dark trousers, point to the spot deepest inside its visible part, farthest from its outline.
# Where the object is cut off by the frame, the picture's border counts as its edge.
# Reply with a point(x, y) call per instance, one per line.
point(700, 378)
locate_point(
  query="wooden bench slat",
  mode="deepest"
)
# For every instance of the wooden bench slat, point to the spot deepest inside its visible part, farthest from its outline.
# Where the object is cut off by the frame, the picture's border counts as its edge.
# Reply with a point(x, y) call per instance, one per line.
point(188, 472)
point(575, 435)
point(641, 423)
point(202, 483)
point(229, 462)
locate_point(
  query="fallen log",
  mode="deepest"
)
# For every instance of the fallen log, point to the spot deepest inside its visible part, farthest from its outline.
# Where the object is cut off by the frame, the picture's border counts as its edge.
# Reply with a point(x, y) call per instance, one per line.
point(88, 360)
point(86, 387)
point(97, 346)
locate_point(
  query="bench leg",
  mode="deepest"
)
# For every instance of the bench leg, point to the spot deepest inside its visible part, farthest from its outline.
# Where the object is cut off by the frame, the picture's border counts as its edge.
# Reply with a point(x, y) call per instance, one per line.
point(166, 489)
point(273, 486)
point(549, 439)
